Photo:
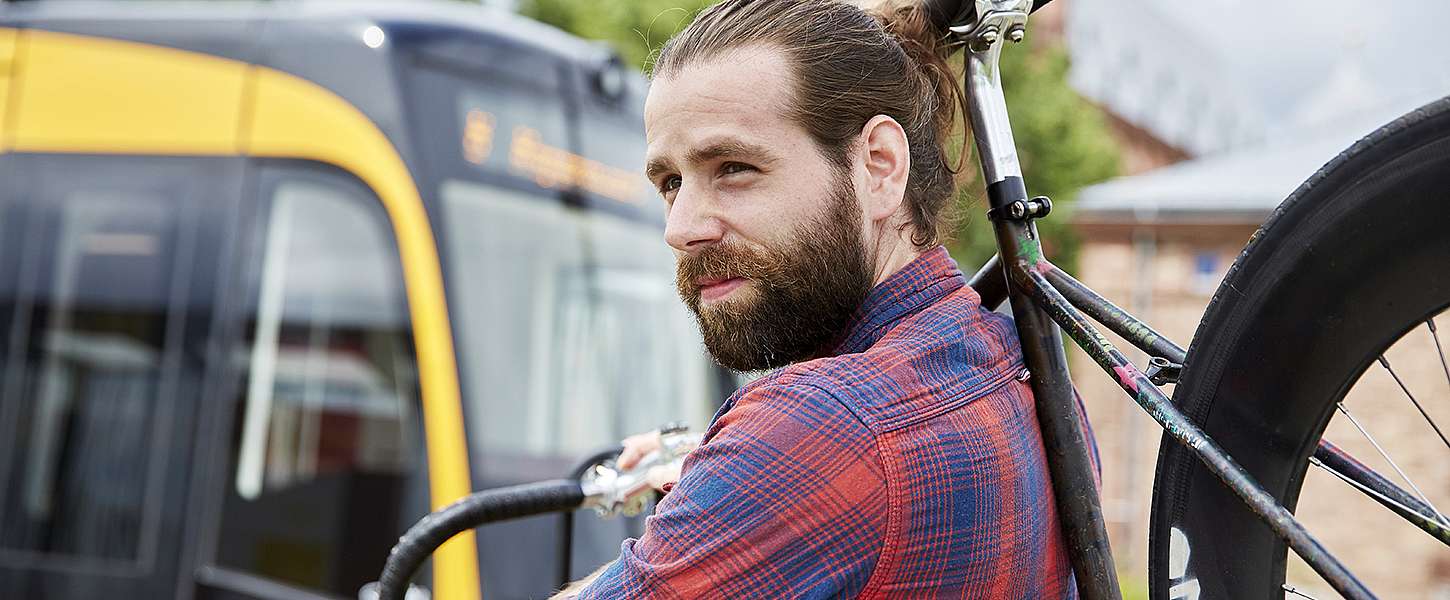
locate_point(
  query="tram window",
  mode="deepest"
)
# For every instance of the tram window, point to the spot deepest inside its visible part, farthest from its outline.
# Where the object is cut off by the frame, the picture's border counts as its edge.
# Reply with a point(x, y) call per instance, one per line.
point(89, 390)
point(327, 447)
point(665, 374)
point(570, 332)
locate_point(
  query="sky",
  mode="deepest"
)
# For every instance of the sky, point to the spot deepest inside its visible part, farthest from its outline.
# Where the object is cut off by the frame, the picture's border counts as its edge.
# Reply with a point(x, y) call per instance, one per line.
point(1286, 55)
point(1402, 43)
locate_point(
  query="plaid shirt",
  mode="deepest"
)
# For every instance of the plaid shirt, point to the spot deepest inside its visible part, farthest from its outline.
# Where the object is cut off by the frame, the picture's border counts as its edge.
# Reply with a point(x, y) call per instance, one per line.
point(907, 464)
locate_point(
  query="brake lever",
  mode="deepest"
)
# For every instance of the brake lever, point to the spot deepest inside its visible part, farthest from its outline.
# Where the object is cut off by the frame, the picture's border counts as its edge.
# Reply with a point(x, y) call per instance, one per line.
point(611, 491)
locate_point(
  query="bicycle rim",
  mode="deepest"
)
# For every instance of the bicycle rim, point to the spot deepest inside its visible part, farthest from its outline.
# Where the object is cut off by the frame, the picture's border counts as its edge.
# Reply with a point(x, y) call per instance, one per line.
point(1344, 268)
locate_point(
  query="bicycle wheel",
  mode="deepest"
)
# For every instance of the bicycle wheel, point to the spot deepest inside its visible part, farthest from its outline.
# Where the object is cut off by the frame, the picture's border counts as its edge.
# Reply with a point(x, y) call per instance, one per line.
point(1350, 262)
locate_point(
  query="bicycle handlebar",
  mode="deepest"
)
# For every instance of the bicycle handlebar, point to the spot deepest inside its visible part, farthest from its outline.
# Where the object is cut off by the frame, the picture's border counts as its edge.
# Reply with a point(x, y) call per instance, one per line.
point(596, 483)
point(473, 510)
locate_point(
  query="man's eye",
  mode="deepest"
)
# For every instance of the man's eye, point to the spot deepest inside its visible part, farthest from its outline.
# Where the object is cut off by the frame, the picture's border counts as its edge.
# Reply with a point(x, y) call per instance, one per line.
point(731, 168)
point(670, 184)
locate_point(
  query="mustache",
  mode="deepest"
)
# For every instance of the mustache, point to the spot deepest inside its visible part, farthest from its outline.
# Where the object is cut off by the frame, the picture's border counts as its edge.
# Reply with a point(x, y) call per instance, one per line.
point(724, 260)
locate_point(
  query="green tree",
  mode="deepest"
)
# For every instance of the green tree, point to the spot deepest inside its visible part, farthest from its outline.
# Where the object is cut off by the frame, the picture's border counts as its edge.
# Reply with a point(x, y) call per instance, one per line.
point(1062, 139)
point(635, 28)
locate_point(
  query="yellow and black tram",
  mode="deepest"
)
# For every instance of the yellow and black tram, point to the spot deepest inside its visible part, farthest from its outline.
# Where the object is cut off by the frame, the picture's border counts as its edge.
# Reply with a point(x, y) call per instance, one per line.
point(277, 278)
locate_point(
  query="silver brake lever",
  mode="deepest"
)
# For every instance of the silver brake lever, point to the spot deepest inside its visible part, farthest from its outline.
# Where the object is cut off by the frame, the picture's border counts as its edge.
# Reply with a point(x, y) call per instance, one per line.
point(610, 491)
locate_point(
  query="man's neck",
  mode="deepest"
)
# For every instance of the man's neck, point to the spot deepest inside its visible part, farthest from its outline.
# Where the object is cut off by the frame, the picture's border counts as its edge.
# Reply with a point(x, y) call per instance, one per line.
point(893, 253)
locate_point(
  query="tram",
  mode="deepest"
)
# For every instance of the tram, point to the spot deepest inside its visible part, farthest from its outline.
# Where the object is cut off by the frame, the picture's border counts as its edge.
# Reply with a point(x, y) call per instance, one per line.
point(274, 275)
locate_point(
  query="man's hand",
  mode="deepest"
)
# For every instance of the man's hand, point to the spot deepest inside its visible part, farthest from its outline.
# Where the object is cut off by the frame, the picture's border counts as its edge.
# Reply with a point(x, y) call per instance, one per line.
point(639, 445)
point(636, 447)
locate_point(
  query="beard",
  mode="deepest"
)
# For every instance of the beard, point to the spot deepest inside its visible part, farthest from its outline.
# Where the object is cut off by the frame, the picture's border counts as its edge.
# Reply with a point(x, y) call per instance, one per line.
point(798, 297)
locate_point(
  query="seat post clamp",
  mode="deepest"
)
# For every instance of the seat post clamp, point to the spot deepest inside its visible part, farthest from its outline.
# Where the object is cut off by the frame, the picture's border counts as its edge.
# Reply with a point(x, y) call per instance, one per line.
point(1022, 210)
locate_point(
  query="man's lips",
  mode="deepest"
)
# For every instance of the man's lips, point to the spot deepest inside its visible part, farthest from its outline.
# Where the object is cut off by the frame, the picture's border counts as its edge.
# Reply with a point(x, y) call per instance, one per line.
point(716, 288)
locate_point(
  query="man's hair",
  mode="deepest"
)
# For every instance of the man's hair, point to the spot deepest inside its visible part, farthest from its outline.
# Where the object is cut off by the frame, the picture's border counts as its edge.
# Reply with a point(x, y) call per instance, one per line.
point(850, 65)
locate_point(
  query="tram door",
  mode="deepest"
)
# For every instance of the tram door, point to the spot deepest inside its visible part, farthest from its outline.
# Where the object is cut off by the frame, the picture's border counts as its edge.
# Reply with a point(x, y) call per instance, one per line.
point(108, 274)
point(324, 452)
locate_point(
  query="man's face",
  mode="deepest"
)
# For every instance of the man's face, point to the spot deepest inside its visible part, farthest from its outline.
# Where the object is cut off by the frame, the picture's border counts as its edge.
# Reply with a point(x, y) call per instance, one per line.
point(767, 233)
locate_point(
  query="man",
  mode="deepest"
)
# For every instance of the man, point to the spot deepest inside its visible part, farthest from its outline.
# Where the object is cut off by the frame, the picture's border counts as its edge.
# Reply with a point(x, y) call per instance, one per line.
point(798, 147)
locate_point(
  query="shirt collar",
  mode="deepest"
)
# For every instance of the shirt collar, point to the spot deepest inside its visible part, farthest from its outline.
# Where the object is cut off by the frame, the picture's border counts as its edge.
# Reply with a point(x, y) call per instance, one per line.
point(924, 280)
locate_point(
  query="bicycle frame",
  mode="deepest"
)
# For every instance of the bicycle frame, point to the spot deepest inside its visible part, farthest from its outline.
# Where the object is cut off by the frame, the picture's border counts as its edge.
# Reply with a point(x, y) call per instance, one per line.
point(1035, 289)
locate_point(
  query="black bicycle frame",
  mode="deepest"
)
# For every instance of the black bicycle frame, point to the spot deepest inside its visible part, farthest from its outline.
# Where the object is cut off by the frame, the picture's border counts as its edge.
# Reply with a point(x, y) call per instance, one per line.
point(1037, 293)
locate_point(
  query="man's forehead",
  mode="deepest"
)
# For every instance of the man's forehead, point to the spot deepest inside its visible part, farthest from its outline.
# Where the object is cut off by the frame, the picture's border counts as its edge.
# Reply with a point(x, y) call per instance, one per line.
point(742, 94)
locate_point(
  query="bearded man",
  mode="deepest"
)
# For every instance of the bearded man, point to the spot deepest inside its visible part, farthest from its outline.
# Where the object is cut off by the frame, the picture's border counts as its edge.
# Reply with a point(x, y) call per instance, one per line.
point(894, 451)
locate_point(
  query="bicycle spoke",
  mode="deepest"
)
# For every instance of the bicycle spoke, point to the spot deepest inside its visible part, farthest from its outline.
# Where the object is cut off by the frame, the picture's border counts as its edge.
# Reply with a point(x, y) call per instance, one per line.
point(1441, 351)
point(1292, 590)
point(1419, 519)
point(1386, 364)
point(1386, 456)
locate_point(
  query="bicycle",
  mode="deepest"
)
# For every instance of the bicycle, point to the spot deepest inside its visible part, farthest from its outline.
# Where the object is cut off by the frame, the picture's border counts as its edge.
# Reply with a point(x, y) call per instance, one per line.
point(1338, 269)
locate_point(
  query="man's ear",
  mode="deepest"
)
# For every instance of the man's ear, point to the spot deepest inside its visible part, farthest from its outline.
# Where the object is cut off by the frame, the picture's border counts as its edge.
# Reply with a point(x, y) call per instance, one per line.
point(886, 159)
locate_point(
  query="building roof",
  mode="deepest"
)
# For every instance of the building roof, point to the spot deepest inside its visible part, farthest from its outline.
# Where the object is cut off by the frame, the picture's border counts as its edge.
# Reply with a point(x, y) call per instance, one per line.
point(1243, 186)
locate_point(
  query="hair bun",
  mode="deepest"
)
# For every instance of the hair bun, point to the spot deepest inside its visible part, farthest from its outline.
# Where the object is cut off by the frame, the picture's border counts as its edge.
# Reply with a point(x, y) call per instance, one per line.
point(925, 43)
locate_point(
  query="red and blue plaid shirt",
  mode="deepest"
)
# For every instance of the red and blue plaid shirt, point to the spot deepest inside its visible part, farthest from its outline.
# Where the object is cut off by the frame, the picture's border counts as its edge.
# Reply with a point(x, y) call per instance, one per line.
point(907, 464)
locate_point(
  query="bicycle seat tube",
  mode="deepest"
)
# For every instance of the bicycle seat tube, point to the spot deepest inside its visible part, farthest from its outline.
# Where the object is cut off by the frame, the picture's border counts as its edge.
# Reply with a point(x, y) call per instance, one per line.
point(995, 23)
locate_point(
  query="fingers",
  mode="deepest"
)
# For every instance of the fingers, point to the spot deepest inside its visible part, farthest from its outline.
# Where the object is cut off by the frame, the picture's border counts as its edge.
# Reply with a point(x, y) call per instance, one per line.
point(663, 475)
point(636, 447)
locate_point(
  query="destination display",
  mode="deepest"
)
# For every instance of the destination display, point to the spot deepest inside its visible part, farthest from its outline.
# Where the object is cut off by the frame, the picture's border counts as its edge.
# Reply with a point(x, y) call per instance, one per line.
point(536, 150)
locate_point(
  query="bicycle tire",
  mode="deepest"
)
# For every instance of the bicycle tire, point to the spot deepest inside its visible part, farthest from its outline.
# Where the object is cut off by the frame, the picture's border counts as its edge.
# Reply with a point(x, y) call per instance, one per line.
point(1337, 273)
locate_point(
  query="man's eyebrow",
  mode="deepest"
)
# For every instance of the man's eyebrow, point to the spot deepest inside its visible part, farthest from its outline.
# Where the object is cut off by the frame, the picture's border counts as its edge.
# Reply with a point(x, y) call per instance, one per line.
point(729, 148)
point(656, 167)
point(712, 151)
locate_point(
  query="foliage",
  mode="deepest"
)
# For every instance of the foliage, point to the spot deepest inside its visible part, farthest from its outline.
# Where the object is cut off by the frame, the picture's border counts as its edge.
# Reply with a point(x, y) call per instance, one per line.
point(1063, 141)
point(1132, 586)
point(635, 28)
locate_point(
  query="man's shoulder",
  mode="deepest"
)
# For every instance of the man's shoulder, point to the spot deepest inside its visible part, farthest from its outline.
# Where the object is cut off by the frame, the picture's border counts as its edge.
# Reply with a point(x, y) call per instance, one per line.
point(799, 383)
point(954, 334)
point(953, 318)
point(841, 387)
point(795, 393)
point(950, 352)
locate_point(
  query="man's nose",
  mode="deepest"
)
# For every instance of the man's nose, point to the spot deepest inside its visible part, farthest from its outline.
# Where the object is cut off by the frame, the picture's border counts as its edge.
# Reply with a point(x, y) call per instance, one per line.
point(692, 222)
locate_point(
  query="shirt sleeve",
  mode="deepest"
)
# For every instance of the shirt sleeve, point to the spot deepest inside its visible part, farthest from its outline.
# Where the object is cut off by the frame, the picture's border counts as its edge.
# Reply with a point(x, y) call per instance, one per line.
point(785, 499)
